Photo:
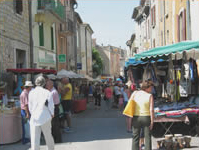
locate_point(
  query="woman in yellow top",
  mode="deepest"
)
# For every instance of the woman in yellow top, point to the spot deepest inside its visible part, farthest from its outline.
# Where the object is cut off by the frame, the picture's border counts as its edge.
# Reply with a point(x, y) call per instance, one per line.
point(143, 115)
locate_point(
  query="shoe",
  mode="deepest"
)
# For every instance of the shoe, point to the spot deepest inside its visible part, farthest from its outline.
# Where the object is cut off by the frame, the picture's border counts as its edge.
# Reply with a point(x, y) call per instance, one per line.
point(67, 130)
point(26, 141)
point(142, 147)
point(129, 131)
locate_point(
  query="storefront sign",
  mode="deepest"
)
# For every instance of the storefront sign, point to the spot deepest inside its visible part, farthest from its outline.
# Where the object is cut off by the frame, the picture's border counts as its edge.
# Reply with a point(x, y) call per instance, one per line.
point(79, 66)
point(45, 57)
point(62, 58)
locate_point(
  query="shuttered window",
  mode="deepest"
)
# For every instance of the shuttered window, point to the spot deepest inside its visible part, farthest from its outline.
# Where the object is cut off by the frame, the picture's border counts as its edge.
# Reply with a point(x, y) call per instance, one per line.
point(52, 38)
point(153, 16)
point(181, 26)
point(41, 34)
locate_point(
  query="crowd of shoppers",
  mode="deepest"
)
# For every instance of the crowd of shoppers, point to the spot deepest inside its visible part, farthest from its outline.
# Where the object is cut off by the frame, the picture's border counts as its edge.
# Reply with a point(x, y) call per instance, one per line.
point(48, 107)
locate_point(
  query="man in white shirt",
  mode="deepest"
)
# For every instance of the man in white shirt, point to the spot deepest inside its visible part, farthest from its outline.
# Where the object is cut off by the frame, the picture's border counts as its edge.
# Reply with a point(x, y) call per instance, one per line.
point(41, 108)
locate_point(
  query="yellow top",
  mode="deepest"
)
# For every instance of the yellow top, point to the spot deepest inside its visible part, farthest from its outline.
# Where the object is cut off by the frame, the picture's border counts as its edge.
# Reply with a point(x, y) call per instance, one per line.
point(142, 103)
point(68, 95)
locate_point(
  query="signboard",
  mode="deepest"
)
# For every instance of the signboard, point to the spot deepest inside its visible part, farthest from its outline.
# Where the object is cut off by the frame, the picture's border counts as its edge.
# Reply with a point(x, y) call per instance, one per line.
point(62, 58)
point(79, 66)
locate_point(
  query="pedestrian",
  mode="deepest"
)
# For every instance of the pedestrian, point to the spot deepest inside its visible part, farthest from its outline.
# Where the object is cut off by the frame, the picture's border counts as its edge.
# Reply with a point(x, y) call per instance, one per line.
point(41, 108)
point(98, 91)
point(56, 132)
point(90, 93)
point(67, 102)
point(126, 94)
point(117, 94)
point(143, 115)
point(25, 114)
point(108, 95)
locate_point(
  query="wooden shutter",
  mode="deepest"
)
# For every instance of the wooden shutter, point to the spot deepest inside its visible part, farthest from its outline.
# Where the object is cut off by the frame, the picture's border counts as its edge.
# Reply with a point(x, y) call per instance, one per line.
point(178, 27)
point(39, 4)
point(154, 16)
point(184, 24)
point(41, 35)
point(52, 38)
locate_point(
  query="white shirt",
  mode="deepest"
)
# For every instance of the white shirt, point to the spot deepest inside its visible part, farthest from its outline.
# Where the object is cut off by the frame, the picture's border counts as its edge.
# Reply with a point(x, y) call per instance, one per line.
point(40, 114)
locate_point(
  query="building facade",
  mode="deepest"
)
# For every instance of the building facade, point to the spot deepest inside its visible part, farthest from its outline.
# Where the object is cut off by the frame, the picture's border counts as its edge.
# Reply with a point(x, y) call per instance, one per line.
point(70, 7)
point(86, 49)
point(14, 35)
point(45, 16)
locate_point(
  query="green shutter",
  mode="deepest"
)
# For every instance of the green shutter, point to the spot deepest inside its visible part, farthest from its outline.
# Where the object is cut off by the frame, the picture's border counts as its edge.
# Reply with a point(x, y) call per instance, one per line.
point(39, 4)
point(52, 39)
point(41, 35)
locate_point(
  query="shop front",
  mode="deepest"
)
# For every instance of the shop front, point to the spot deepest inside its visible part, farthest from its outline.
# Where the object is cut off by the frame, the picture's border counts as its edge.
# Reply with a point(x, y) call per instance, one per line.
point(174, 69)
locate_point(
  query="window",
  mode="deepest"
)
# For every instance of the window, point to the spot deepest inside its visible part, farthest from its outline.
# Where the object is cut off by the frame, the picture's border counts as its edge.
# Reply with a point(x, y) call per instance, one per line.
point(41, 34)
point(18, 6)
point(161, 38)
point(181, 24)
point(52, 38)
point(153, 16)
point(62, 44)
point(167, 36)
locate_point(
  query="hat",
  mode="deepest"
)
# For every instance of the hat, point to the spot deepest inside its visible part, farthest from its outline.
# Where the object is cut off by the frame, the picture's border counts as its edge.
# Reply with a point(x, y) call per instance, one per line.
point(28, 83)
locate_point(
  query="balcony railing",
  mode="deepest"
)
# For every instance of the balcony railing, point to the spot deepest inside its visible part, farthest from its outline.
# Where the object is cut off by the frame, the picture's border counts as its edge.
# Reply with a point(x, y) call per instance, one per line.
point(54, 6)
point(68, 28)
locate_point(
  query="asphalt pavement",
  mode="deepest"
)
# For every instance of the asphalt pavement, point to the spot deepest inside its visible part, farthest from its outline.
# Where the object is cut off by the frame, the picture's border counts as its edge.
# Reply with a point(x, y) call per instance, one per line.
point(96, 130)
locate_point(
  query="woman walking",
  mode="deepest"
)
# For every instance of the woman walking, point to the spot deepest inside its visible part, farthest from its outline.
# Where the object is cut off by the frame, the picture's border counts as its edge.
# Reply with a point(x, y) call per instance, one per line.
point(143, 115)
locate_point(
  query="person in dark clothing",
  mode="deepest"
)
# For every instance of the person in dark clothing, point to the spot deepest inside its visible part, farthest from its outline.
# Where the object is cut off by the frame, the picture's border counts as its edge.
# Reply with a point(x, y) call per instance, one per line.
point(98, 92)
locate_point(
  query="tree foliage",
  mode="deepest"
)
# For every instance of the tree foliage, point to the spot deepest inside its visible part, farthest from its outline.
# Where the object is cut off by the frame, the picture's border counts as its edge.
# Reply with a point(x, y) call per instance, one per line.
point(97, 62)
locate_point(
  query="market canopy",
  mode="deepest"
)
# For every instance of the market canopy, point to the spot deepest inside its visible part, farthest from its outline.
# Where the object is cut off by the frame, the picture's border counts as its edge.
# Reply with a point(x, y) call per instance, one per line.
point(164, 51)
point(70, 74)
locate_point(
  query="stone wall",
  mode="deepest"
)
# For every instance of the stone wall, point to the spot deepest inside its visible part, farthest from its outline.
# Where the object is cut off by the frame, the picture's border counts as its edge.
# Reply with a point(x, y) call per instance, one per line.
point(14, 33)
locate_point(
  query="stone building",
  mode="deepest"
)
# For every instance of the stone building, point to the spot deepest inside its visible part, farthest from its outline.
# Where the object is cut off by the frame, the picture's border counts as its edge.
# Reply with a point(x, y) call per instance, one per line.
point(14, 34)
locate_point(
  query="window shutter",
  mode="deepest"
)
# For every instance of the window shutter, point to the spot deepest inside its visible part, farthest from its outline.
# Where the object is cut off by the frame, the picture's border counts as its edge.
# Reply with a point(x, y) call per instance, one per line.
point(184, 25)
point(39, 4)
point(178, 27)
point(154, 16)
point(52, 39)
point(41, 35)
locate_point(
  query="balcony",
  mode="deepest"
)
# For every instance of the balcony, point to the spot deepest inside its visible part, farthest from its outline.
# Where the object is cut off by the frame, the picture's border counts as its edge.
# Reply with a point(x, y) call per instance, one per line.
point(50, 10)
point(68, 29)
point(141, 11)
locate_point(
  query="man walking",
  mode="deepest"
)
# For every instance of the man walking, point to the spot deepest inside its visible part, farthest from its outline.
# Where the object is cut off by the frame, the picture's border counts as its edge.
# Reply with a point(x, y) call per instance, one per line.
point(67, 101)
point(25, 115)
point(41, 108)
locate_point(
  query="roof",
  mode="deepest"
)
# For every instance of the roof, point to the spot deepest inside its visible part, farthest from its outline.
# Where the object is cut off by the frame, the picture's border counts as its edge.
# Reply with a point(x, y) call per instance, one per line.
point(32, 71)
point(164, 51)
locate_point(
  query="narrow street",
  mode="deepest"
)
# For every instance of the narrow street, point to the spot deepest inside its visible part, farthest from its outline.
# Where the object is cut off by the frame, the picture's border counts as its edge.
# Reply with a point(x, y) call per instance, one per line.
point(96, 130)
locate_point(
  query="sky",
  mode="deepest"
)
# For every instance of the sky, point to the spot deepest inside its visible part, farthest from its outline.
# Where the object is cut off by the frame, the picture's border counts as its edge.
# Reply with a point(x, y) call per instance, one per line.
point(110, 20)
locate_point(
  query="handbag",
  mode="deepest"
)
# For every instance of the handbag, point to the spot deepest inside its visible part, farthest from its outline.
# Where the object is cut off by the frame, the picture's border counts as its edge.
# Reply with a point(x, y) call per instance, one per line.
point(130, 108)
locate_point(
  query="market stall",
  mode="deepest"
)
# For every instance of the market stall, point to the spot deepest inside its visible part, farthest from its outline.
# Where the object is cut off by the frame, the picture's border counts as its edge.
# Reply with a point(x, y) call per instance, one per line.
point(77, 81)
point(10, 111)
point(174, 69)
